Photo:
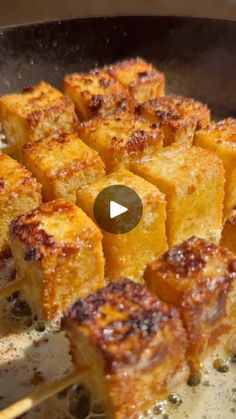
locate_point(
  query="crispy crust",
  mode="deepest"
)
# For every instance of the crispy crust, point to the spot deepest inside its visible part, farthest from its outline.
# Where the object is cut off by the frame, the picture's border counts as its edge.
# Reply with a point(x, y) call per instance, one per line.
point(220, 137)
point(19, 192)
point(35, 113)
point(177, 110)
point(128, 339)
point(135, 74)
point(187, 258)
point(121, 137)
point(29, 229)
point(221, 132)
point(139, 135)
point(58, 255)
point(189, 177)
point(14, 177)
point(122, 319)
point(198, 277)
point(37, 150)
point(62, 165)
point(96, 93)
point(177, 115)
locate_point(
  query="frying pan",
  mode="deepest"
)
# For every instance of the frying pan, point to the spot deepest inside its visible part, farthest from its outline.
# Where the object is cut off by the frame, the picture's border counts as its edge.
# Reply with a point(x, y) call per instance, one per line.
point(198, 57)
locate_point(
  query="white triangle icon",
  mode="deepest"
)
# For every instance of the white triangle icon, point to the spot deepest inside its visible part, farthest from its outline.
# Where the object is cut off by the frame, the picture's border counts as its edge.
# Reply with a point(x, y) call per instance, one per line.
point(116, 209)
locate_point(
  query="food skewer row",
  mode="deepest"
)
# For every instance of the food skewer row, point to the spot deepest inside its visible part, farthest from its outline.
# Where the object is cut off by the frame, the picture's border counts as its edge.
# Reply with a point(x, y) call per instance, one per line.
point(51, 239)
point(42, 111)
point(199, 279)
point(58, 256)
point(42, 250)
point(125, 337)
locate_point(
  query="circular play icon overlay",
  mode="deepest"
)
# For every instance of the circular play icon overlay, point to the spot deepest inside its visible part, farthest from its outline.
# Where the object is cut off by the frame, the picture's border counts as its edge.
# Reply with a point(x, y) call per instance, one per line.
point(117, 209)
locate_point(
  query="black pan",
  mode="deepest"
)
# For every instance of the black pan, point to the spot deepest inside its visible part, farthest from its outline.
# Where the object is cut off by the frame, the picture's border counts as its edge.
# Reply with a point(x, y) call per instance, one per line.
point(197, 55)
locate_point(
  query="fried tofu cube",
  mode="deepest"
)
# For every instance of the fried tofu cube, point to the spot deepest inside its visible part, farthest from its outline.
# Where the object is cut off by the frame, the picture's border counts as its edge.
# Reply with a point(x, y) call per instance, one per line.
point(141, 78)
point(62, 165)
point(197, 277)
point(58, 255)
point(121, 138)
point(220, 137)
point(96, 93)
point(228, 237)
point(178, 116)
point(19, 192)
point(128, 254)
point(132, 343)
point(35, 113)
point(192, 180)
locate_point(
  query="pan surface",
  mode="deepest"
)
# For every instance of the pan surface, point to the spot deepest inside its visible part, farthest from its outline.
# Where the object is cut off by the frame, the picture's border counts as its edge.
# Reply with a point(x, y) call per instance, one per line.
point(197, 55)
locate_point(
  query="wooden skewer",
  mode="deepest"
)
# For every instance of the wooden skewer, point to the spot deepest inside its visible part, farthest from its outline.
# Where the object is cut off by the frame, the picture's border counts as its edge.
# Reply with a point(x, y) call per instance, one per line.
point(43, 392)
point(9, 149)
point(14, 286)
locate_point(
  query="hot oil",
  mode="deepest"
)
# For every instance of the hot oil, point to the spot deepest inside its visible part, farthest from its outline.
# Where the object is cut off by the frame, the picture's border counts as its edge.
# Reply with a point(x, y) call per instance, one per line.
point(32, 353)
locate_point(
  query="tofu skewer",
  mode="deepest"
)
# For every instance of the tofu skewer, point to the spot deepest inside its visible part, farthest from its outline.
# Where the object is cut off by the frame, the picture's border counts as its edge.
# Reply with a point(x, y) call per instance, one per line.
point(199, 279)
point(36, 113)
point(122, 338)
point(188, 177)
point(19, 193)
point(58, 255)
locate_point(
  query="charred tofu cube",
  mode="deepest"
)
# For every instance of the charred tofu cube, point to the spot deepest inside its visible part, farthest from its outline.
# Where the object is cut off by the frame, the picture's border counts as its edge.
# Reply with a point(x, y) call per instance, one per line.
point(62, 165)
point(228, 237)
point(141, 78)
point(121, 138)
point(128, 254)
point(96, 93)
point(132, 343)
point(58, 255)
point(36, 113)
point(198, 278)
point(220, 137)
point(193, 181)
point(178, 116)
point(19, 192)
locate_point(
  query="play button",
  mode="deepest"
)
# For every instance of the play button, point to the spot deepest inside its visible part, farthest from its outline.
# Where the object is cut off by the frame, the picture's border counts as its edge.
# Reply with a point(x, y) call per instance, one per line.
point(117, 209)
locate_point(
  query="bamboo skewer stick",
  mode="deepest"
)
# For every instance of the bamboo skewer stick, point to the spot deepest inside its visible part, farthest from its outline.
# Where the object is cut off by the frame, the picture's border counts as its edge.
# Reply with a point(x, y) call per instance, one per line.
point(14, 286)
point(42, 393)
point(9, 149)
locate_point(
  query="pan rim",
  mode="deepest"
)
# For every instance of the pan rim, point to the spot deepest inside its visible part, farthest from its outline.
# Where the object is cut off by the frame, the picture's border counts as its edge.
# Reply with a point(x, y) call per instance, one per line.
point(73, 20)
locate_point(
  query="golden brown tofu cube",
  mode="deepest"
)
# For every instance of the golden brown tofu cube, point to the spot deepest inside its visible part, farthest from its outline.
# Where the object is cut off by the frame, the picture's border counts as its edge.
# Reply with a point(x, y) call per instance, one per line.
point(220, 137)
point(36, 113)
point(96, 93)
point(58, 255)
point(62, 165)
point(141, 78)
point(178, 116)
point(121, 138)
point(228, 237)
point(128, 254)
point(132, 343)
point(198, 278)
point(19, 192)
point(193, 181)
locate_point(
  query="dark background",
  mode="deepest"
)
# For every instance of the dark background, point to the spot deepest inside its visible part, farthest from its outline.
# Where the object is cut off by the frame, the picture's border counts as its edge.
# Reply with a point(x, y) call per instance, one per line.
point(21, 11)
